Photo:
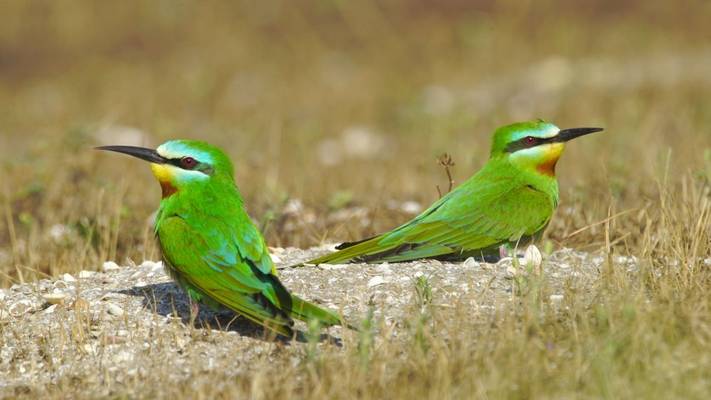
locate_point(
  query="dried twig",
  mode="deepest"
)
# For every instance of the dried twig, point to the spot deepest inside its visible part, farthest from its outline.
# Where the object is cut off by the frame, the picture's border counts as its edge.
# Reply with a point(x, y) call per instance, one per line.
point(445, 160)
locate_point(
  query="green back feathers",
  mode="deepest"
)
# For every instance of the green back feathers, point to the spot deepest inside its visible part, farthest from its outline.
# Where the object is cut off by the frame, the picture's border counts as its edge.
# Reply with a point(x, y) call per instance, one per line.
point(496, 206)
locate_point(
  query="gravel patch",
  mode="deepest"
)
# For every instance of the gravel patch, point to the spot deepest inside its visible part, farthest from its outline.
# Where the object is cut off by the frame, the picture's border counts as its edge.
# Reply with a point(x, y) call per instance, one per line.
point(121, 323)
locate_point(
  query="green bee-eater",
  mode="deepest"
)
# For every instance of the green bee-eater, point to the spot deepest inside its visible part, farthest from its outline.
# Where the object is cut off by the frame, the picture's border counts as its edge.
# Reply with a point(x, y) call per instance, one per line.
point(210, 245)
point(508, 202)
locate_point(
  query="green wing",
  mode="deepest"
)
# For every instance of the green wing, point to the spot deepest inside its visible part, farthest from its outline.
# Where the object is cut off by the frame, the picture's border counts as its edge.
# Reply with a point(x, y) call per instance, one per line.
point(474, 219)
point(210, 266)
point(226, 261)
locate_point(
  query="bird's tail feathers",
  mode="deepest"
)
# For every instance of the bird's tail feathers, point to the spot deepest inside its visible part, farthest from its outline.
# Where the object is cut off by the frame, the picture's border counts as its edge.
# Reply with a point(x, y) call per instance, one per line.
point(346, 245)
point(262, 312)
point(306, 311)
point(353, 251)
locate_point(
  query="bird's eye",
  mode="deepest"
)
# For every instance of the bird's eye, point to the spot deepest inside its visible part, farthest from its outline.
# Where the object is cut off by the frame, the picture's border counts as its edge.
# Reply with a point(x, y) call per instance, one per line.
point(188, 162)
point(530, 140)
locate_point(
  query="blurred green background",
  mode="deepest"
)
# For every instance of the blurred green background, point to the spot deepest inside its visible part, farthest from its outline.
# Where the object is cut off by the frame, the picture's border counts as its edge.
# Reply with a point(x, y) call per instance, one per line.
point(334, 112)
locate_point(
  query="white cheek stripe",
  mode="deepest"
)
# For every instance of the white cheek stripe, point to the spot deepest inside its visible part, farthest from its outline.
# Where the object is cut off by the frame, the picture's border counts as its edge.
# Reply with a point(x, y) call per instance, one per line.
point(187, 175)
point(550, 132)
point(538, 151)
point(532, 152)
point(183, 175)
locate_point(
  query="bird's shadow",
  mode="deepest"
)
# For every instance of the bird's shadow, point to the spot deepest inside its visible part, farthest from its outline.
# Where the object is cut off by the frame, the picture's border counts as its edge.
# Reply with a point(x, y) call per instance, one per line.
point(168, 300)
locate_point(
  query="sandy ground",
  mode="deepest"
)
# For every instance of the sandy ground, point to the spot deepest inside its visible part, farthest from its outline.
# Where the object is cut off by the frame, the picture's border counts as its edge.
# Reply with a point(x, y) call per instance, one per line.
point(120, 325)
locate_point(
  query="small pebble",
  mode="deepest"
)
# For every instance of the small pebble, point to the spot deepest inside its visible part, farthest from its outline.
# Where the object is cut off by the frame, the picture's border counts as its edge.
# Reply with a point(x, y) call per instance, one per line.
point(276, 250)
point(331, 266)
point(21, 307)
point(86, 274)
point(384, 267)
point(556, 298)
point(60, 284)
point(504, 260)
point(68, 278)
point(110, 295)
point(55, 298)
point(471, 263)
point(109, 266)
point(152, 266)
point(123, 356)
point(88, 348)
point(411, 207)
point(375, 281)
point(113, 309)
point(50, 309)
point(275, 258)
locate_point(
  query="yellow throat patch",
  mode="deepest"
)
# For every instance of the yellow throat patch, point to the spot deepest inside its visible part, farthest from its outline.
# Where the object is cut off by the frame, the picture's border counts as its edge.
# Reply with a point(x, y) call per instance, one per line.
point(166, 175)
point(550, 158)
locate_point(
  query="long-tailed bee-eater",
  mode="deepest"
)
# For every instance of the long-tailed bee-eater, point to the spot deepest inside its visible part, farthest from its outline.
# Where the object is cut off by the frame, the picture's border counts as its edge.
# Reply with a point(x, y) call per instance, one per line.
point(509, 202)
point(210, 245)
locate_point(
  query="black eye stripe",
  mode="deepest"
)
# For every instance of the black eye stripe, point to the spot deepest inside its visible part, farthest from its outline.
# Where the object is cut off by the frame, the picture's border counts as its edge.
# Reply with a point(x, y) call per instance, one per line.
point(525, 143)
point(175, 162)
point(198, 166)
point(180, 162)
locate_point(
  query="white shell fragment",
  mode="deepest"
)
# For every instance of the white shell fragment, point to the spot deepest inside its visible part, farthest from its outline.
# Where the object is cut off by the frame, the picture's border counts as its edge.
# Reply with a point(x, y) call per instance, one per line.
point(533, 258)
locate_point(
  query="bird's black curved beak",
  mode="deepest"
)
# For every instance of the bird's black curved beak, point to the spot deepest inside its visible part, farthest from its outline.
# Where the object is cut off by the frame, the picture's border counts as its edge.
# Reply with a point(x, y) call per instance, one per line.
point(569, 134)
point(138, 152)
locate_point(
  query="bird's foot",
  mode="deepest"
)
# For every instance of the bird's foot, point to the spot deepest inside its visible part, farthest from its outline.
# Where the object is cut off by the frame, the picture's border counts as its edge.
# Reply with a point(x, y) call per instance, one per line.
point(503, 251)
point(194, 311)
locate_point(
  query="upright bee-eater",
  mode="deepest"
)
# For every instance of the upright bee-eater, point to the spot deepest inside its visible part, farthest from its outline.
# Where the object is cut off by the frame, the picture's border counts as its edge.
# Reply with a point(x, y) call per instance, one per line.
point(210, 245)
point(509, 202)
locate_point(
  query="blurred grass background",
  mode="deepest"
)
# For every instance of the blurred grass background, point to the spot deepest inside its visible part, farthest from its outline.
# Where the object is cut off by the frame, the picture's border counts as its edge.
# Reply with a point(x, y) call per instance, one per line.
point(335, 112)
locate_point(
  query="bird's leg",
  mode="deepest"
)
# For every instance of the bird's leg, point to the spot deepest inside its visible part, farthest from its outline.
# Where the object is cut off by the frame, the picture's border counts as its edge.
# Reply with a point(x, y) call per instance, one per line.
point(503, 251)
point(194, 310)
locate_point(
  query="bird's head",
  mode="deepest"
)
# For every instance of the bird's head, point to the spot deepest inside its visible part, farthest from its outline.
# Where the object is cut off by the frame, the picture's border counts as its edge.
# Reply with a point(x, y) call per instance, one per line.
point(535, 145)
point(178, 164)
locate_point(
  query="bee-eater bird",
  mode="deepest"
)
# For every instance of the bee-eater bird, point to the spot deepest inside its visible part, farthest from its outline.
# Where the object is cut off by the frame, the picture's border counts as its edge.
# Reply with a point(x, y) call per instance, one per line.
point(509, 202)
point(210, 245)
